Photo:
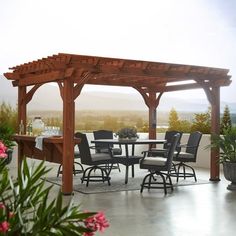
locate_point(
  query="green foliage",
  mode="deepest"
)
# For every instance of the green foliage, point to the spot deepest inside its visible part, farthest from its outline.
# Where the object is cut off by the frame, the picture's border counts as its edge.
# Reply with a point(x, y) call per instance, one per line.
point(128, 132)
point(145, 128)
point(111, 123)
point(25, 208)
point(174, 122)
point(227, 145)
point(202, 122)
point(225, 123)
point(6, 133)
point(8, 116)
point(184, 126)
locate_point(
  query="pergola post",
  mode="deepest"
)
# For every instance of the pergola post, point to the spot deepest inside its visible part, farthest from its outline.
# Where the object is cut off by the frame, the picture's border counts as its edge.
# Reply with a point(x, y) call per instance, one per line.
point(215, 129)
point(68, 136)
point(152, 115)
point(213, 96)
point(22, 108)
point(22, 111)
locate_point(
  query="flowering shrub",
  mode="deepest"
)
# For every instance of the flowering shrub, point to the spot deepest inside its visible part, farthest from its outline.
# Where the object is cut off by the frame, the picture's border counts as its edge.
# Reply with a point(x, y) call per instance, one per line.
point(97, 222)
point(3, 150)
point(6, 133)
point(25, 208)
point(128, 132)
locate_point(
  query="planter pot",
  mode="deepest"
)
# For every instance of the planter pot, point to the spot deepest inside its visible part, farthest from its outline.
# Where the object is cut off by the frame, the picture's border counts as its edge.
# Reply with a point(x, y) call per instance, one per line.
point(9, 156)
point(229, 169)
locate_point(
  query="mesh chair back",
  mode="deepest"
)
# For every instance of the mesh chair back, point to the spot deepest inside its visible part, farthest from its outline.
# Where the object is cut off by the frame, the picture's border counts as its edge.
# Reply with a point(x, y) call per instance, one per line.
point(169, 136)
point(193, 143)
point(84, 149)
point(102, 134)
point(171, 150)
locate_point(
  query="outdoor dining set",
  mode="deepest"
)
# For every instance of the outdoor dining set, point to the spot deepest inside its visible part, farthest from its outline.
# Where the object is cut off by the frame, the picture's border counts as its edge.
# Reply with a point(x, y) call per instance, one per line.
point(107, 153)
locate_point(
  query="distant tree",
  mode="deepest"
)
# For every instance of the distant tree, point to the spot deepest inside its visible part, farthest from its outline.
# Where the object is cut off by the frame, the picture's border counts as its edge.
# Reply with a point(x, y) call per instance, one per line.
point(226, 123)
point(88, 126)
point(202, 122)
point(185, 126)
point(139, 124)
point(53, 121)
point(174, 121)
point(8, 116)
point(145, 128)
point(111, 123)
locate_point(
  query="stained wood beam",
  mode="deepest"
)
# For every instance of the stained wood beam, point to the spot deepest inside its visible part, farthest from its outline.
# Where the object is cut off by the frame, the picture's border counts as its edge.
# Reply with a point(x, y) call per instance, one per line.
point(155, 73)
point(43, 78)
point(30, 94)
point(173, 88)
point(215, 129)
point(78, 87)
point(68, 136)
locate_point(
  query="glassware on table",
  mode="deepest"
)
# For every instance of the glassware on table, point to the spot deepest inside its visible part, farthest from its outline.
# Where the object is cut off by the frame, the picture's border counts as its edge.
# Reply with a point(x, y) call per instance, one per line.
point(37, 126)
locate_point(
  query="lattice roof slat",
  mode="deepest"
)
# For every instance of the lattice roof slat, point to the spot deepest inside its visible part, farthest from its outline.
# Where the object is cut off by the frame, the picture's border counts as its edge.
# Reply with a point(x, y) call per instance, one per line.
point(115, 71)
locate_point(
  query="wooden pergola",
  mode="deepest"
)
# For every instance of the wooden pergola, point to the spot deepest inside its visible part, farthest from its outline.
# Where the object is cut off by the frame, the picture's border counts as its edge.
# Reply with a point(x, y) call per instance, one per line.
point(150, 79)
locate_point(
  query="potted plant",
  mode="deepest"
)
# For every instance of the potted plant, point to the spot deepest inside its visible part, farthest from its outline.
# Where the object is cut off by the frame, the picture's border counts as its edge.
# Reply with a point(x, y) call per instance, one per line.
point(127, 133)
point(227, 145)
point(6, 133)
point(26, 209)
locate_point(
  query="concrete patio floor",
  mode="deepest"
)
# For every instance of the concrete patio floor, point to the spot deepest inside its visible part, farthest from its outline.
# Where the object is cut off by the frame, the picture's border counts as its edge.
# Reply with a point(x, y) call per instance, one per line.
point(205, 209)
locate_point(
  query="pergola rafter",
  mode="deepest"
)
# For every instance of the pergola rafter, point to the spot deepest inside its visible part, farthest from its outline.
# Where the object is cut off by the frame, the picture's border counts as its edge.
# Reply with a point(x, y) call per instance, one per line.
point(151, 79)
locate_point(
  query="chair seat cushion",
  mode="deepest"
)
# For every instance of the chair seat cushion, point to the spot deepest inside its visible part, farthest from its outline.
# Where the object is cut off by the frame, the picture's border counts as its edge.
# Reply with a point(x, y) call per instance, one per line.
point(158, 161)
point(116, 151)
point(103, 150)
point(158, 150)
point(76, 154)
point(184, 156)
point(100, 156)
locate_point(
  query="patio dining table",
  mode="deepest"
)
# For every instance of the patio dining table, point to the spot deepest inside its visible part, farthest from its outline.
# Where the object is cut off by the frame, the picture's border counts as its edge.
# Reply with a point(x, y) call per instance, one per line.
point(126, 143)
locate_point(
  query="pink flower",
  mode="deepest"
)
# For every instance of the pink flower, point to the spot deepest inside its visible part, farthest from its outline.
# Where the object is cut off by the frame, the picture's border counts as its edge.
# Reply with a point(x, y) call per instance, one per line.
point(2, 206)
point(3, 150)
point(88, 234)
point(97, 222)
point(4, 226)
point(11, 214)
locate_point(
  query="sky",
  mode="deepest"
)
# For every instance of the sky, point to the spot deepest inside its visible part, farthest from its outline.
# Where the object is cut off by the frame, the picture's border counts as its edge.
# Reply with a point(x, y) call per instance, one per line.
point(195, 32)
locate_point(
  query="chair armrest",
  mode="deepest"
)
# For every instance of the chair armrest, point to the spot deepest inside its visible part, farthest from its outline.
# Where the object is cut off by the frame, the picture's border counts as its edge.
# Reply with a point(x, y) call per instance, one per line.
point(182, 145)
point(145, 153)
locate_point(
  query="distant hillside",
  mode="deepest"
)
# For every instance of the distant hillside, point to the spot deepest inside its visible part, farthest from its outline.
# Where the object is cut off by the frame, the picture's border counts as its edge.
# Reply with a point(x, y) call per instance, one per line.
point(48, 98)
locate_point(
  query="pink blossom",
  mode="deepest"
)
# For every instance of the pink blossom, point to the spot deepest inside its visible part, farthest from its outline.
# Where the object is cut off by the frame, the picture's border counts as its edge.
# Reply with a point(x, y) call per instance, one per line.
point(97, 222)
point(11, 214)
point(2, 206)
point(3, 150)
point(88, 234)
point(4, 226)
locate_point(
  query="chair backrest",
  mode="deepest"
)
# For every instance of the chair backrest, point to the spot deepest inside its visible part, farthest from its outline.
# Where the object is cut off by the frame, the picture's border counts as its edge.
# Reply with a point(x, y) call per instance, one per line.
point(171, 150)
point(102, 134)
point(169, 136)
point(84, 149)
point(193, 143)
